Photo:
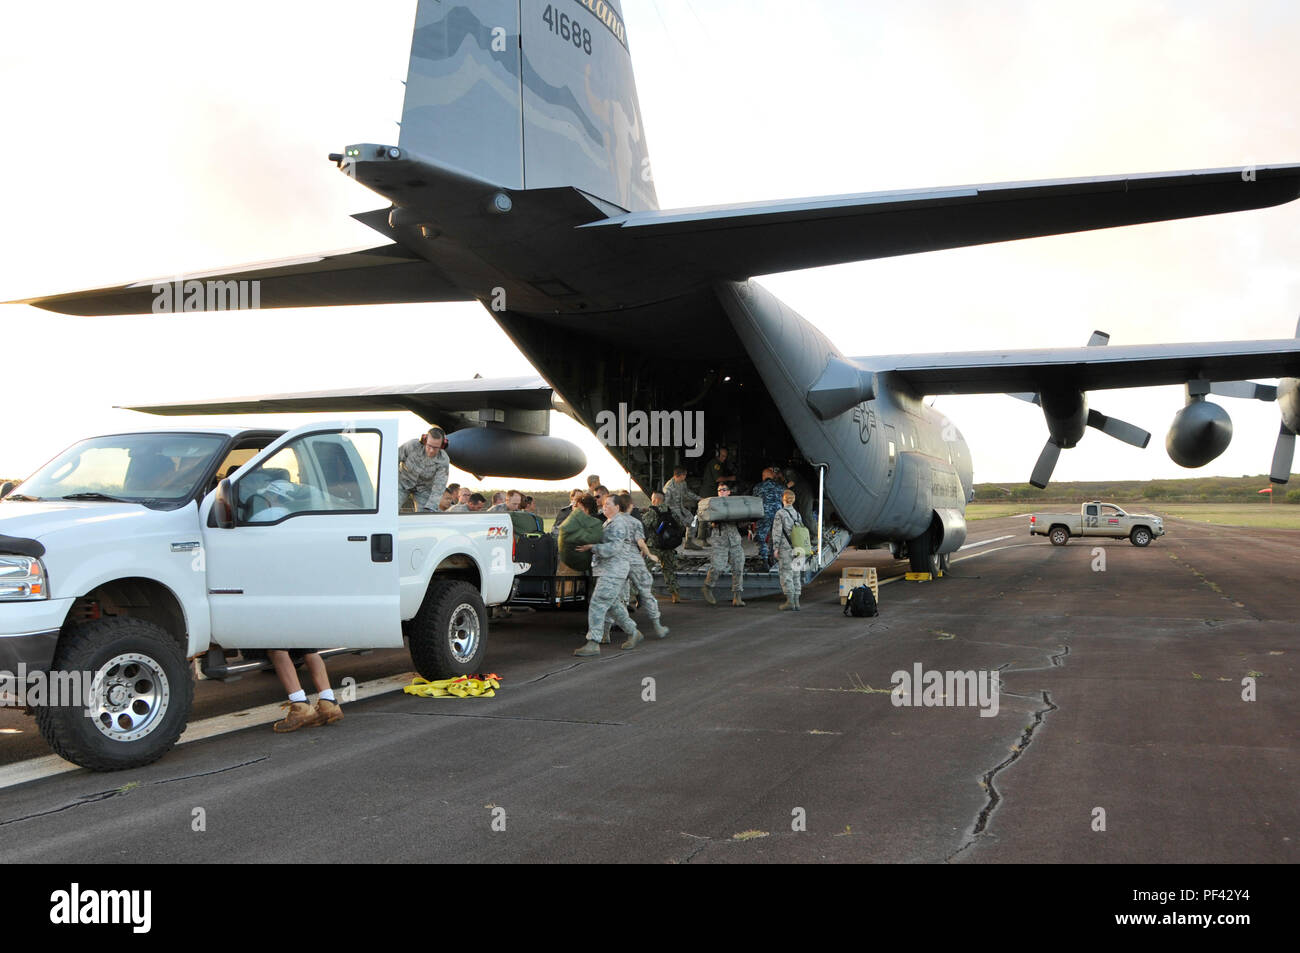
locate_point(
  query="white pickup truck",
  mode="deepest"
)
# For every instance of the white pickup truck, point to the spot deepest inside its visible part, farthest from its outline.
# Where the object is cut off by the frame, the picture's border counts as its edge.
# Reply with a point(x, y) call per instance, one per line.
point(128, 555)
point(1096, 518)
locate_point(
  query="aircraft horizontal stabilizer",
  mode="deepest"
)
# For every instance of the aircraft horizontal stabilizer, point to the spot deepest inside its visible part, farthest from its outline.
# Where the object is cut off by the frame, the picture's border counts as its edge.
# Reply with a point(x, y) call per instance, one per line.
point(386, 274)
point(434, 402)
point(741, 241)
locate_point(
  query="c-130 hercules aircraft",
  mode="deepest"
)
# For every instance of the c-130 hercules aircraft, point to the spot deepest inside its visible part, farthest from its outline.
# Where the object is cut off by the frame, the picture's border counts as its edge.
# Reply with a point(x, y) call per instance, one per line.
point(521, 179)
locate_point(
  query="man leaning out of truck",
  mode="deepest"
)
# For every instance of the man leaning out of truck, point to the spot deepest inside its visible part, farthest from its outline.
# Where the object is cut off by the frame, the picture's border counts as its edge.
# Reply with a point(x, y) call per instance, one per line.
point(423, 469)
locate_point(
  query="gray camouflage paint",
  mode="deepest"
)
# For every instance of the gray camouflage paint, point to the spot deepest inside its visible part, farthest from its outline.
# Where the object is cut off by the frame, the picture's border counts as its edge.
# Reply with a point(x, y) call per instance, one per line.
point(492, 90)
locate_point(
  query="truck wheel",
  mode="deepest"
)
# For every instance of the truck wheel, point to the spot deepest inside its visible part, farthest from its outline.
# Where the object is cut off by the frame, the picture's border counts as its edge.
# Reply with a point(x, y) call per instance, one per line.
point(1059, 535)
point(449, 633)
point(1141, 536)
point(140, 693)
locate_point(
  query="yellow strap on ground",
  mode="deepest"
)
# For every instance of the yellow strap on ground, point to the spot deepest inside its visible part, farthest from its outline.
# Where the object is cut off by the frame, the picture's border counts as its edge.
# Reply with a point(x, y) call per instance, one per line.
point(466, 686)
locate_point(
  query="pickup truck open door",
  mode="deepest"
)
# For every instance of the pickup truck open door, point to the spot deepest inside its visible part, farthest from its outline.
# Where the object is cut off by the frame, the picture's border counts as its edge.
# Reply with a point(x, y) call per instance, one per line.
point(300, 544)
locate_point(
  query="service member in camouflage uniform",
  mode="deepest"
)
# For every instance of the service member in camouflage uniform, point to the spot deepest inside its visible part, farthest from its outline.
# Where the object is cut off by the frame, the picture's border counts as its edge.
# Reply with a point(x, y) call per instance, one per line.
point(769, 490)
point(610, 568)
point(667, 557)
point(681, 500)
point(791, 579)
point(727, 554)
point(639, 574)
point(422, 471)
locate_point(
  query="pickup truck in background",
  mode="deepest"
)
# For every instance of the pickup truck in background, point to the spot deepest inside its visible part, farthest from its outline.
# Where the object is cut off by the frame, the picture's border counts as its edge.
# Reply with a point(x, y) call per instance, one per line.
point(1097, 519)
point(129, 555)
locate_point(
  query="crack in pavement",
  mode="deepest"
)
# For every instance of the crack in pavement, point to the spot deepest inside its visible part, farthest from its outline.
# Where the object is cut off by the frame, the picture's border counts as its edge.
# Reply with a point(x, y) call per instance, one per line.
point(205, 774)
point(558, 671)
point(84, 799)
point(1026, 737)
point(123, 790)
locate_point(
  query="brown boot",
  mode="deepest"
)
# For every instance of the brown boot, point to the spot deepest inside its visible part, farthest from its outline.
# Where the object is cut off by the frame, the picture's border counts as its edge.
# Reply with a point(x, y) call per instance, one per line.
point(676, 598)
point(737, 601)
point(785, 605)
point(301, 715)
point(329, 711)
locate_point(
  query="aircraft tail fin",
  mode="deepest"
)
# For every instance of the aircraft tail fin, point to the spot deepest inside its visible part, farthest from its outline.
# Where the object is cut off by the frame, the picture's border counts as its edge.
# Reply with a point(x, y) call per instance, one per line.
point(529, 95)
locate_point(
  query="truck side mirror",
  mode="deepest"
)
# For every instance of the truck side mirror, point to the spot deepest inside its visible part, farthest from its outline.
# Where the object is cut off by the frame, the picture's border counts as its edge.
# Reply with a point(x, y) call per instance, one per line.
point(223, 507)
point(6, 488)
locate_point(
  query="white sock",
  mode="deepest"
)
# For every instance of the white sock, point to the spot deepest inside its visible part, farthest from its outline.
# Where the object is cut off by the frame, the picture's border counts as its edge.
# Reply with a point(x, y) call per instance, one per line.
point(298, 696)
point(328, 694)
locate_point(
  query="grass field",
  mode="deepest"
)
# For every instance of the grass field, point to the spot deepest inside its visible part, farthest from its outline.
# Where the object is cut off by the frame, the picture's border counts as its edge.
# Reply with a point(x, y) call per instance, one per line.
point(1277, 516)
point(986, 511)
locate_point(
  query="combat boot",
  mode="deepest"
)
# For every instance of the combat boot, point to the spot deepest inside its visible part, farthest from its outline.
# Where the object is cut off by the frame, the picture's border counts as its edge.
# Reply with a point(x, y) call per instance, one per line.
point(589, 649)
point(633, 640)
point(737, 601)
point(328, 711)
point(661, 630)
point(708, 589)
point(676, 598)
point(301, 715)
point(796, 606)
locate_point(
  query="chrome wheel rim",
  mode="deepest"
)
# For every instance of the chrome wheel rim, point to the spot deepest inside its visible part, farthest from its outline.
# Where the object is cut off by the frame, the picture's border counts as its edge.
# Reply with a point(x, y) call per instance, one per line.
point(463, 633)
point(129, 697)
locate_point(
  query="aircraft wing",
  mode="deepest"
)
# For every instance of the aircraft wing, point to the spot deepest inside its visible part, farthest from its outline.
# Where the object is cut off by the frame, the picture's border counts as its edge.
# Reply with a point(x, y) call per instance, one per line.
point(740, 241)
point(386, 274)
point(1088, 368)
point(433, 402)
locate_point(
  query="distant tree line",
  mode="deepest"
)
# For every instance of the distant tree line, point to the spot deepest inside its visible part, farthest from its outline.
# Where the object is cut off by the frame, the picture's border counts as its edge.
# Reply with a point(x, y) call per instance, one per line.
point(1244, 489)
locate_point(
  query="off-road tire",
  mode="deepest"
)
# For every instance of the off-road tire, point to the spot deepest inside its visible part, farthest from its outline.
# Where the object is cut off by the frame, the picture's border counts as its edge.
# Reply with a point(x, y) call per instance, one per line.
point(1059, 535)
point(448, 636)
point(1140, 537)
point(162, 693)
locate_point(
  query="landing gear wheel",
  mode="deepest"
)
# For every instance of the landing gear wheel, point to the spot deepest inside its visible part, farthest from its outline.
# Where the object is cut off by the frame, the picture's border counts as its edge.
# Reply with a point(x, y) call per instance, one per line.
point(140, 693)
point(1141, 536)
point(944, 562)
point(1059, 536)
point(449, 633)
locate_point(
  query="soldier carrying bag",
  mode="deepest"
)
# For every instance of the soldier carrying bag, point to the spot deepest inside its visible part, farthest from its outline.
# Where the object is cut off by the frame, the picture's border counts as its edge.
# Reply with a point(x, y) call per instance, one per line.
point(668, 533)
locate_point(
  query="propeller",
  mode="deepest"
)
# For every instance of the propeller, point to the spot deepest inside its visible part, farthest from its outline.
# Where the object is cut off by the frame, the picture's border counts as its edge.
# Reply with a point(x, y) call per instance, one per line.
point(1283, 455)
point(1067, 415)
point(1287, 395)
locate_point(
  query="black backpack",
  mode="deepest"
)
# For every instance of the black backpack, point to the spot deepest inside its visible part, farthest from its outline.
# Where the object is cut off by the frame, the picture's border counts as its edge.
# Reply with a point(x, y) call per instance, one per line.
point(861, 603)
point(668, 532)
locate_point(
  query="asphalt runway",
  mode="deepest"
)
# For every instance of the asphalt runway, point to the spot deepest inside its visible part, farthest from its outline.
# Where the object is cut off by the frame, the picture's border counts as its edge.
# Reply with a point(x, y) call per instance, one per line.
point(1121, 733)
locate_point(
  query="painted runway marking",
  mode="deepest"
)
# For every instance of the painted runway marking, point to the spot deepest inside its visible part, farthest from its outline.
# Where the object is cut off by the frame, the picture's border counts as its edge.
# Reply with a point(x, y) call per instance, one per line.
point(985, 542)
point(46, 767)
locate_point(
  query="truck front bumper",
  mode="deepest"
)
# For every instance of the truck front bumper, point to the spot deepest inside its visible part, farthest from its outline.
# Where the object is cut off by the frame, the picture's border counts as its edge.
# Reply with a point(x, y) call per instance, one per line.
point(29, 633)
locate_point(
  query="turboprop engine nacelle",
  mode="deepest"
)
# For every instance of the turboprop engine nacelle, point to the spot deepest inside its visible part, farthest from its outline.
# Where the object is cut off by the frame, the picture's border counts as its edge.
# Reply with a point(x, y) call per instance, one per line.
point(497, 452)
point(1199, 433)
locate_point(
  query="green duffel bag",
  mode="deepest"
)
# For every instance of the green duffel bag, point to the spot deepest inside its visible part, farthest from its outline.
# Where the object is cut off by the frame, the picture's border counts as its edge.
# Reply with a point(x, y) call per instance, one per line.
point(730, 509)
point(525, 523)
point(579, 530)
point(800, 538)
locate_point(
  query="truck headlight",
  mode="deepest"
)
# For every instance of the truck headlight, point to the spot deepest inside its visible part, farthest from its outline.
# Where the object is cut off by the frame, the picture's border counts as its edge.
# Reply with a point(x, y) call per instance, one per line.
point(22, 578)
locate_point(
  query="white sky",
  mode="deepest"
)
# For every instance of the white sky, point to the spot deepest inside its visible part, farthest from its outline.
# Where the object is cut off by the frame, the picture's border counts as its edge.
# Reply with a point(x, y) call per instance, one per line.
point(142, 139)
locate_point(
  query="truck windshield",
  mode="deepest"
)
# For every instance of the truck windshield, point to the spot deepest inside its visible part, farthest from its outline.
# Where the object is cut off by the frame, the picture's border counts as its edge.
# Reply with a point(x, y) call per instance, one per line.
point(133, 468)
